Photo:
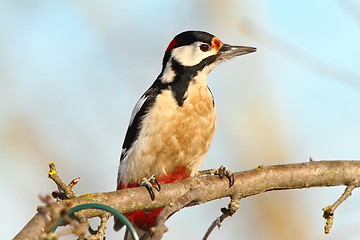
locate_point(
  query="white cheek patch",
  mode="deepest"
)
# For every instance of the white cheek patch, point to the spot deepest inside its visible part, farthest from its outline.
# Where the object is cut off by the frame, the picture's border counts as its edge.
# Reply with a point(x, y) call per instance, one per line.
point(137, 108)
point(191, 55)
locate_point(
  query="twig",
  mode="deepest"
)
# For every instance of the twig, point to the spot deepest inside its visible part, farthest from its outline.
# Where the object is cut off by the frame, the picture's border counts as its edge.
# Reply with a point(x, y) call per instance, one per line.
point(330, 210)
point(67, 189)
point(81, 224)
point(226, 212)
point(160, 228)
point(78, 228)
point(51, 211)
point(100, 233)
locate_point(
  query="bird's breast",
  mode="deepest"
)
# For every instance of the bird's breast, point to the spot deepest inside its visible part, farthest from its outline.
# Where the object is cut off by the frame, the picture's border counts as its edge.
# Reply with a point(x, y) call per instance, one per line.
point(173, 136)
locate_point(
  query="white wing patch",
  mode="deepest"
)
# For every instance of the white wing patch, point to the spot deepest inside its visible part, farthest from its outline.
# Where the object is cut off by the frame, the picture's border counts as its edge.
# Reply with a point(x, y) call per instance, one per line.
point(124, 153)
point(137, 108)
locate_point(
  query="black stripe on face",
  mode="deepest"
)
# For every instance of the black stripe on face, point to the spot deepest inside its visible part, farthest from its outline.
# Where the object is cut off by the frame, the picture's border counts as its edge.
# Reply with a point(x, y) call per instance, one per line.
point(184, 75)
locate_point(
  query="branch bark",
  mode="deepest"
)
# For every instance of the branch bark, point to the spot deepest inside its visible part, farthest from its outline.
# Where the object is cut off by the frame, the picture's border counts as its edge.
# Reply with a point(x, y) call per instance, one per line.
point(208, 188)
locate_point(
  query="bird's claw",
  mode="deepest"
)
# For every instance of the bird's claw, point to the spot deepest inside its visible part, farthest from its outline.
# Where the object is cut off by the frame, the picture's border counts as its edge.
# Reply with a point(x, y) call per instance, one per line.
point(151, 183)
point(221, 172)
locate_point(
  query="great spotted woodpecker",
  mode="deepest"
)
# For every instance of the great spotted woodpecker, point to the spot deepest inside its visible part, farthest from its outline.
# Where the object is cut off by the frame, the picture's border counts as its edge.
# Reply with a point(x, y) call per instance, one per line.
point(173, 123)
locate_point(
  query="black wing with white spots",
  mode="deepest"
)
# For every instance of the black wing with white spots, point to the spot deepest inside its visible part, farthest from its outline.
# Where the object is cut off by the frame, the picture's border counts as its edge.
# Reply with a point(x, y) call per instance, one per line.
point(140, 110)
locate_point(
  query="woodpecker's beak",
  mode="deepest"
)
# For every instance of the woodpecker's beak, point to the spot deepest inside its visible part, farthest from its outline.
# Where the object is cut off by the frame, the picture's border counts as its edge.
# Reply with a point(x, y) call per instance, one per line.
point(227, 51)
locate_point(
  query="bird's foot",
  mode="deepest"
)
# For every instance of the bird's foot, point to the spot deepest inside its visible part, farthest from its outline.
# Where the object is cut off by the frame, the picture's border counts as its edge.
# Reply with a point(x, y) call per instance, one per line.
point(221, 172)
point(150, 183)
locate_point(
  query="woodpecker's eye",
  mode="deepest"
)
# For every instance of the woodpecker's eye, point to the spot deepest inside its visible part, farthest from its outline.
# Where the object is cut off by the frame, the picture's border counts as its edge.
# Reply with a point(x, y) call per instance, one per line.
point(204, 47)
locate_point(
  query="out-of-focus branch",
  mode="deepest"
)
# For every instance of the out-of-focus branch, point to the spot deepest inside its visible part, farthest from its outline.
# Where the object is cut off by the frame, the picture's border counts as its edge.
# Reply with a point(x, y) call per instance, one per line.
point(208, 188)
point(351, 8)
point(298, 55)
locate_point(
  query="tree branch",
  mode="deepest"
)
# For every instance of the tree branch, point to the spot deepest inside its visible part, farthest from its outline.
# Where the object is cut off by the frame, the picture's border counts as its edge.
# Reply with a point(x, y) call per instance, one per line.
point(233, 207)
point(329, 211)
point(207, 188)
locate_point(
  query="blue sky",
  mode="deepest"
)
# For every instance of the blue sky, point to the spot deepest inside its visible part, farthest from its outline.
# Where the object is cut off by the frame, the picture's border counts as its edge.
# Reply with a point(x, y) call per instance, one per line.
point(71, 72)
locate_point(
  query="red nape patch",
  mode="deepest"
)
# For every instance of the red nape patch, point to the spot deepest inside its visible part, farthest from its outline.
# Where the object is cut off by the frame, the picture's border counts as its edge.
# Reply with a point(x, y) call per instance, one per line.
point(147, 219)
point(173, 44)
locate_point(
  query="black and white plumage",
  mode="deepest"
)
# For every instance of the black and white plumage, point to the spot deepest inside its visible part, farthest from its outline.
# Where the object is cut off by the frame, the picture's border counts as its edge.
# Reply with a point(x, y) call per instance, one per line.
point(172, 124)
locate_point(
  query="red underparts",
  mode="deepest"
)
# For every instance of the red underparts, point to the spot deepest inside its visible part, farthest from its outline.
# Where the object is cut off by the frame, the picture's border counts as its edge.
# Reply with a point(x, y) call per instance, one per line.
point(147, 219)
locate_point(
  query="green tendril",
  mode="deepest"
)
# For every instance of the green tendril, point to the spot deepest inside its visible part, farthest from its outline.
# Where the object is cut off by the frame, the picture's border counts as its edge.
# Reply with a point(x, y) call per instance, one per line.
point(106, 208)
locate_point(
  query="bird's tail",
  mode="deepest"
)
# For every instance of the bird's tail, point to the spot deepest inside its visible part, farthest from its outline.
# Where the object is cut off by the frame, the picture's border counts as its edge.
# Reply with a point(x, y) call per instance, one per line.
point(128, 235)
point(118, 225)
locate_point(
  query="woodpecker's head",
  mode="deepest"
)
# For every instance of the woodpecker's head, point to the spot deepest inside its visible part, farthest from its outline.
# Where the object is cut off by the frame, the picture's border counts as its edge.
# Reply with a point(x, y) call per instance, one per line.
point(194, 52)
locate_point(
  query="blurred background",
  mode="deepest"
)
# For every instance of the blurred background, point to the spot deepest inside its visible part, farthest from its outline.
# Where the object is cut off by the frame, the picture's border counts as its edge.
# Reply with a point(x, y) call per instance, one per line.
point(71, 72)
